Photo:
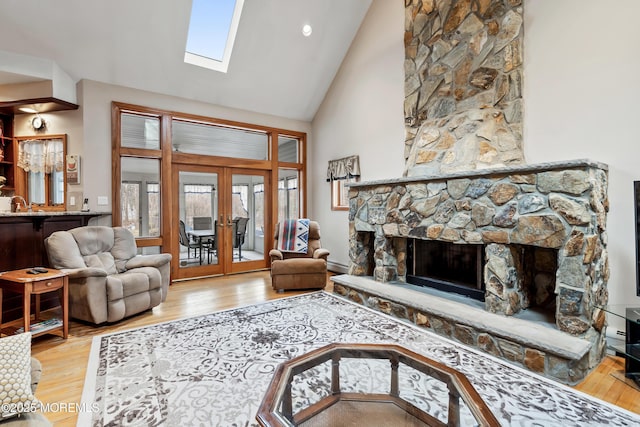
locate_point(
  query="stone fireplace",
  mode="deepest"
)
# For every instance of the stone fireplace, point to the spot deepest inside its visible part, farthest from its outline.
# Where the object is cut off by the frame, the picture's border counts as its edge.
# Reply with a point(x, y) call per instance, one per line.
point(510, 211)
point(539, 230)
point(558, 208)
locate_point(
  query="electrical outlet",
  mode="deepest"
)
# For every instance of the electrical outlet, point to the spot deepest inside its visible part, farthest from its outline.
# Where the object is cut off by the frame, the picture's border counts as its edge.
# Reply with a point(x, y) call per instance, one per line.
point(72, 200)
point(103, 200)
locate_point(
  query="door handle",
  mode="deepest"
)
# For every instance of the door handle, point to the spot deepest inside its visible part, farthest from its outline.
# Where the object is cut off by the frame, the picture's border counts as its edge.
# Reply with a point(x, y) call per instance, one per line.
point(221, 223)
point(229, 223)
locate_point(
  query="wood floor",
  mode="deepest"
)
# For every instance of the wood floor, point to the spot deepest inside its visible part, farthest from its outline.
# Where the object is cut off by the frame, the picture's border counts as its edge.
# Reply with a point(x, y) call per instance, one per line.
point(64, 361)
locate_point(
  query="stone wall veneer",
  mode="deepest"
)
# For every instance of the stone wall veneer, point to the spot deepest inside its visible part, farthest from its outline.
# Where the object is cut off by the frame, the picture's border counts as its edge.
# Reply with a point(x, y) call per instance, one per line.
point(463, 84)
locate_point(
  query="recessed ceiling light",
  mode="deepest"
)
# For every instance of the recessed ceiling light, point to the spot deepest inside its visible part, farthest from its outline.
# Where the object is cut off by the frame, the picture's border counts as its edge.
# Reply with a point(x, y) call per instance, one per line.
point(306, 30)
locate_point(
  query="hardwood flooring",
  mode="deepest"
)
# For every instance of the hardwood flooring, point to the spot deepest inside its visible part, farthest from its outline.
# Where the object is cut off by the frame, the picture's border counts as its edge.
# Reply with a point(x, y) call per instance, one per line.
point(64, 361)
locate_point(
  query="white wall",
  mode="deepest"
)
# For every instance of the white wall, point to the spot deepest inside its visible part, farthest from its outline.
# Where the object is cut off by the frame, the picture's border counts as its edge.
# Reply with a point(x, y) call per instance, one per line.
point(361, 114)
point(581, 94)
point(88, 130)
point(96, 99)
point(581, 101)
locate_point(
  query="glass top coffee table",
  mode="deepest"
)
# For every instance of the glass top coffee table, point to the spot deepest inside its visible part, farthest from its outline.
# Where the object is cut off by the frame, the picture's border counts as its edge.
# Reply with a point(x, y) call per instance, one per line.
point(314, 390)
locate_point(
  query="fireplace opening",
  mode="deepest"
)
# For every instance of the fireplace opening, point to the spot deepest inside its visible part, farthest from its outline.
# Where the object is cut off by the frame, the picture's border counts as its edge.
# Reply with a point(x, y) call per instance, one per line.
point(447, 267)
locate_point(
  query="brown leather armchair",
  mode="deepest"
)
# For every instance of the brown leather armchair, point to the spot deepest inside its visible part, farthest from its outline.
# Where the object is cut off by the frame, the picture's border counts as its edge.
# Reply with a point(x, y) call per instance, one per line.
point(298, 270)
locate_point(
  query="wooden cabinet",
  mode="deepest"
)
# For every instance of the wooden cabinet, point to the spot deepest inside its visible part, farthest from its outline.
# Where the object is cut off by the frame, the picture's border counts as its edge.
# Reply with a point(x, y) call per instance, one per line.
point(6, 158)
point(22, 246)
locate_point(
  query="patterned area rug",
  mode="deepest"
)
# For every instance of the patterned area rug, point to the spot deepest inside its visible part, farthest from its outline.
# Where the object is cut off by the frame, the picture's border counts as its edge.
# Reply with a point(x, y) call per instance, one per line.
point(213, 370)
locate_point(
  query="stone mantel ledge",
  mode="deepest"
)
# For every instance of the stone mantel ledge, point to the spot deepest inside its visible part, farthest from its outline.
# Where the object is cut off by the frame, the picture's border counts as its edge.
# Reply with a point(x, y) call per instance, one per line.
point(524, 332)
point(506, 170)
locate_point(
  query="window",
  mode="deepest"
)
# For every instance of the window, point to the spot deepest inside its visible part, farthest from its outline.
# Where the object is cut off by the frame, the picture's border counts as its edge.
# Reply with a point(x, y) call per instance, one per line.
point(140, 131)
point(153, 207)
point(212, 32)
point(258, 210)
point(291, 183)
point(130, 201)
point(239, 201)
point(341, 172)
point(213, 140)
point(132, 207)
point(142, 136)
point(140, 212)
point(288, 149)
point(41, 178)
point(198, 201)
point(340, 194)
point(288, 195)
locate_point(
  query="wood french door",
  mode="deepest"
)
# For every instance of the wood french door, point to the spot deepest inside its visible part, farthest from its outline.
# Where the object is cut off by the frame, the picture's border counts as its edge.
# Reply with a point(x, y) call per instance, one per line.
point(220, 216)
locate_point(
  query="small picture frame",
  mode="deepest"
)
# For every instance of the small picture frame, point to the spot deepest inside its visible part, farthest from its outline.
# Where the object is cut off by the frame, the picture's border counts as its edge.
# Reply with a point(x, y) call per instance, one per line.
point(73, 169)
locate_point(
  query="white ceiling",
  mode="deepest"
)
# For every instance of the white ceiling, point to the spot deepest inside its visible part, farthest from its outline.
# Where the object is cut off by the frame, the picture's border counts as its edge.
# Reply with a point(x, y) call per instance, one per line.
point(140, 44)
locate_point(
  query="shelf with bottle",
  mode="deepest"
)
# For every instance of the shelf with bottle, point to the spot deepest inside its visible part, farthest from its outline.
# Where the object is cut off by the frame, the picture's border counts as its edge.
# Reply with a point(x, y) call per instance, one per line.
point(7, 167)
point(5, 146)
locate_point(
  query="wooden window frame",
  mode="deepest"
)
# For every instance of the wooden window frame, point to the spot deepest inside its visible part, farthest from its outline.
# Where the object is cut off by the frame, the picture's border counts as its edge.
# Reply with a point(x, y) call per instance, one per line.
point(338, 190)
point(22, 177)
point(168, 158)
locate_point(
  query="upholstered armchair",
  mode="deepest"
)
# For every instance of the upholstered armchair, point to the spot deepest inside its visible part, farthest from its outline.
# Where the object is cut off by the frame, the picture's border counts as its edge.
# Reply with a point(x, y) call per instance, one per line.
point(291, 270)
point(108, 280)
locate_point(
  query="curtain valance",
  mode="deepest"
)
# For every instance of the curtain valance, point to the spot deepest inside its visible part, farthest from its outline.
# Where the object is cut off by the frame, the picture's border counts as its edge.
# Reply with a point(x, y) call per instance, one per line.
point(41, 155)
point(347, 167)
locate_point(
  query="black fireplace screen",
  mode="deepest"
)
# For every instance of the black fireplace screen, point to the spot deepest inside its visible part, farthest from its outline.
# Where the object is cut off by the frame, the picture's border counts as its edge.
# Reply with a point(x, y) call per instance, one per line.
point(446, 266)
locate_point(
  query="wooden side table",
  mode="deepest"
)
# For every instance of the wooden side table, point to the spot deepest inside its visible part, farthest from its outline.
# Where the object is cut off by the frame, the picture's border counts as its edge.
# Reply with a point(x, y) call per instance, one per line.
point(36, 284)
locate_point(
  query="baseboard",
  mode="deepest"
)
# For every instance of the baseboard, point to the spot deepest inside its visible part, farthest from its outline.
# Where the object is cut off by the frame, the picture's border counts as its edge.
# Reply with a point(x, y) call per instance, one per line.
point(336, 267)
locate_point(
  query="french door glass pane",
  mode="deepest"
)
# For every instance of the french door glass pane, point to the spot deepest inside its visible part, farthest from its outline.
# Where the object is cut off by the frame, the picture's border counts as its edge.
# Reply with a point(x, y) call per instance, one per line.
point(198, 201)
point(247, 205)
point(198, 219)
point(140, 213)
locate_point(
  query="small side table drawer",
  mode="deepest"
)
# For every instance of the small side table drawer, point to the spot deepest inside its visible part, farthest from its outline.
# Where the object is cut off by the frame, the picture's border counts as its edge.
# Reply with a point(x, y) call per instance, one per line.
point(47, 285)
point(22, 282)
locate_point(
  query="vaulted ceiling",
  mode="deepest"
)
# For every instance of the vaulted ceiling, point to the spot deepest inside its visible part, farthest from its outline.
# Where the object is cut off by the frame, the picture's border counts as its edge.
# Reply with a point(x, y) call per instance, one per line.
point(140, 44)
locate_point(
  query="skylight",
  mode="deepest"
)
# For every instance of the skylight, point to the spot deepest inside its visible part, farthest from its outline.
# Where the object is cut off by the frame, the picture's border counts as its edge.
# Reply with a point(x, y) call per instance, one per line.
point(212, 31)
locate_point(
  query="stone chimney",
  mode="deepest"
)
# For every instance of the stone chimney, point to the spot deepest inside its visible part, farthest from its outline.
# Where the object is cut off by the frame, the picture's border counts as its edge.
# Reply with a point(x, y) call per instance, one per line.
point(463, 85)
